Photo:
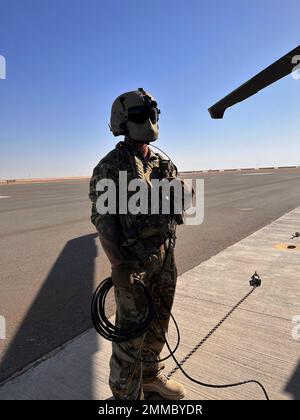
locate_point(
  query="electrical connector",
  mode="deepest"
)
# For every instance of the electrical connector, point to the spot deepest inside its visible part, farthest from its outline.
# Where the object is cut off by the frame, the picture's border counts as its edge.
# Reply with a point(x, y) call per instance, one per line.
point(255, 280)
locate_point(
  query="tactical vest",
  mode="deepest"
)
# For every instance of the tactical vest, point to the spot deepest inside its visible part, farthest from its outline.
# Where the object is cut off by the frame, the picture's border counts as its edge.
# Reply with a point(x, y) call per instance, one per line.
point(135, 229)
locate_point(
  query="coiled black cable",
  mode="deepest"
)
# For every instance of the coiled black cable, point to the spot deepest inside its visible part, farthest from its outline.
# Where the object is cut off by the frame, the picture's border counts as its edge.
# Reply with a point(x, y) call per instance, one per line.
point(112, 333)
point(105, 328)
point(118, 335)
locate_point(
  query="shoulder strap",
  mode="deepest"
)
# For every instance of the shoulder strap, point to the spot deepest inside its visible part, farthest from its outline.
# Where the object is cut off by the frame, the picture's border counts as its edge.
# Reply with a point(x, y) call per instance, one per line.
point(123, 147)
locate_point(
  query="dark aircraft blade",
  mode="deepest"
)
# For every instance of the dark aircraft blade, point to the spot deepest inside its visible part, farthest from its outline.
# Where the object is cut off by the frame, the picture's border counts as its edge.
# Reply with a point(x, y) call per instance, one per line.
point(271, 74)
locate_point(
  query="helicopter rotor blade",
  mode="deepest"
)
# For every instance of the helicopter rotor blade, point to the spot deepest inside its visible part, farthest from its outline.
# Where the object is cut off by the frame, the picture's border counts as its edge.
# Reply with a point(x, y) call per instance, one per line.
point(271, 74)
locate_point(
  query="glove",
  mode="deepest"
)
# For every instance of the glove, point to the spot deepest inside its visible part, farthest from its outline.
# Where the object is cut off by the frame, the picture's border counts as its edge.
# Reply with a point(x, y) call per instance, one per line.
point(122, 275)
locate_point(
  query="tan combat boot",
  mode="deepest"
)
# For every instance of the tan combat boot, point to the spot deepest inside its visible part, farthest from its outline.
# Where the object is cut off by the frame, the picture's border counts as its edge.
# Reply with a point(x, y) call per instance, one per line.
point(166, 388)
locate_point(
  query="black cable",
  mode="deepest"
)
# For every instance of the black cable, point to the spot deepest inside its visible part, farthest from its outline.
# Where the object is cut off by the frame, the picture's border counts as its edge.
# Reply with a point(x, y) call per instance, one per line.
point(178, 364)
point(105, 328)
point(211, 332)
point(253, 381)
point(112, 333)
point(152, 145)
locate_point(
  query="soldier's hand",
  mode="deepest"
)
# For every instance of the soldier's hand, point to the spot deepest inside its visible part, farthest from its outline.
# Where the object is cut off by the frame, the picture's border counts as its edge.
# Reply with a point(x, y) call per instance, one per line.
point(122, 275)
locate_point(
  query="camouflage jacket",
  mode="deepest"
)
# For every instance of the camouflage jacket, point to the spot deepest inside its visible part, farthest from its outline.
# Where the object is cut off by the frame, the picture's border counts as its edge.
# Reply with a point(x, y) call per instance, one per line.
point(132, 230)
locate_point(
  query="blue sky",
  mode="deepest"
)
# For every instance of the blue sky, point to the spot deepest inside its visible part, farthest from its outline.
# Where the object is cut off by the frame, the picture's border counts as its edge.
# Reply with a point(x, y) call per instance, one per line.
point(67, 60)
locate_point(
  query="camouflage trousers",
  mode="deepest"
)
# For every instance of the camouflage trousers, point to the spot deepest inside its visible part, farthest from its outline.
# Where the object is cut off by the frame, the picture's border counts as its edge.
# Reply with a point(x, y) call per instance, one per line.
point(126, 373)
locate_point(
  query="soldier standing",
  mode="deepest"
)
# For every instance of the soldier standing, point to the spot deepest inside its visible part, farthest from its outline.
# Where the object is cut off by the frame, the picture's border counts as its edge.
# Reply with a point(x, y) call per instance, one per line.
point(135, 244)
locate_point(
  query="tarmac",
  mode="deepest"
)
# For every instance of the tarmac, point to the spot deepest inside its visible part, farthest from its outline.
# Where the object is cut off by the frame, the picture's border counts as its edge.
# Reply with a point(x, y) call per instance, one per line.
point(51, 259)
point(260, 340)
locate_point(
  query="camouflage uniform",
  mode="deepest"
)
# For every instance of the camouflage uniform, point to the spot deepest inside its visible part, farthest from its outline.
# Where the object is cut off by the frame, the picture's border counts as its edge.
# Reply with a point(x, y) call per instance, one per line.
point(143, 241)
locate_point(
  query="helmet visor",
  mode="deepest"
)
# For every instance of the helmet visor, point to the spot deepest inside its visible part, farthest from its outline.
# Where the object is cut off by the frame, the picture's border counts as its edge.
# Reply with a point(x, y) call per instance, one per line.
point(140, 114)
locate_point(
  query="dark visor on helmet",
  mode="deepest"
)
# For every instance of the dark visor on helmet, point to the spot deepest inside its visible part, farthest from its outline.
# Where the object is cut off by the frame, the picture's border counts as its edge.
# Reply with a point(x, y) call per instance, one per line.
point(140, 114)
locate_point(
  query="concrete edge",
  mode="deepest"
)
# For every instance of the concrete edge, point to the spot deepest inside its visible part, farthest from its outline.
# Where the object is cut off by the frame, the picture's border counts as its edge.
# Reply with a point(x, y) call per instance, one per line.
point(42, 359)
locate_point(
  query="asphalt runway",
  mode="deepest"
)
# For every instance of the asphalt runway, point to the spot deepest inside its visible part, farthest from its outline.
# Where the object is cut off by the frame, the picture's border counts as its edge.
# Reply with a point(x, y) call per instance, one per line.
point(51, 260)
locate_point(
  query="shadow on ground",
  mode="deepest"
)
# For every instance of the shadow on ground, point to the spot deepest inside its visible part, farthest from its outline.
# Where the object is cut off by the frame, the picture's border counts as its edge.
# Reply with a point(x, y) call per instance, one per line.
point(293, 387)
point(60, 312)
